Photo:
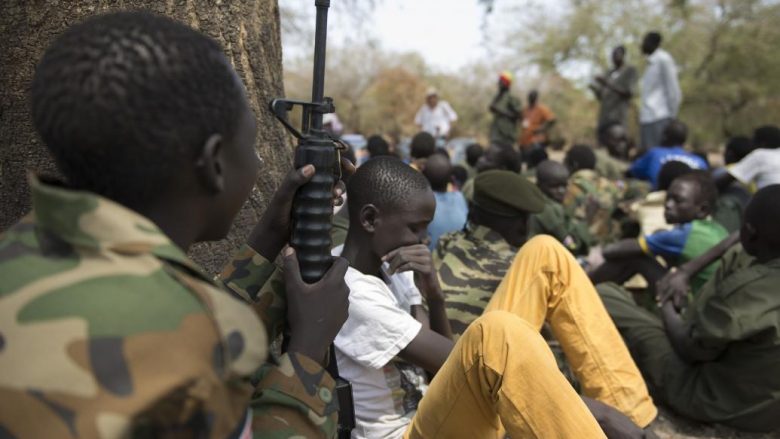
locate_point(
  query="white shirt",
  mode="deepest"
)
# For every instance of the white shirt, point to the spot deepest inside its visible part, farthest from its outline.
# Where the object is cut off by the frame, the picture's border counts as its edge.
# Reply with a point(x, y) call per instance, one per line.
point(436, 121)
point(761, 167)
point(661, 93)
point(385, 390)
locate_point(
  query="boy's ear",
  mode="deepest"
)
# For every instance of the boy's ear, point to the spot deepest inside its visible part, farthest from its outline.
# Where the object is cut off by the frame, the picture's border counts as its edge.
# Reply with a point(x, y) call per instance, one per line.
point(368, 217)
point(210, 166)
point(705, 210)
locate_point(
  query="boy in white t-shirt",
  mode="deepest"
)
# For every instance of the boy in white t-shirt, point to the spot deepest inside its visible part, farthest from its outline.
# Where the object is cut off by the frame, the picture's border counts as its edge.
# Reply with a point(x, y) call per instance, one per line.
point(500, 372)
point(761, 167)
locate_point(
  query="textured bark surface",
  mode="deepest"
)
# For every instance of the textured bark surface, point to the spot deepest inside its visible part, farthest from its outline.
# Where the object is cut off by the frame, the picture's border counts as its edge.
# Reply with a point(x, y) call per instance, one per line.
point(249, 32)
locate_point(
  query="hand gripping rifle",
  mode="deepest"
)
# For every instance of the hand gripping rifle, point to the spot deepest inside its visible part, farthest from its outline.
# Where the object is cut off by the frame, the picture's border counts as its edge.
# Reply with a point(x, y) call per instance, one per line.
point(312, 207)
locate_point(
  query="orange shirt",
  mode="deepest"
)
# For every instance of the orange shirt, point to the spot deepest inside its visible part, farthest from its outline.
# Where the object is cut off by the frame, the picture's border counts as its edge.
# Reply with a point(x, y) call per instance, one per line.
point(533, 119)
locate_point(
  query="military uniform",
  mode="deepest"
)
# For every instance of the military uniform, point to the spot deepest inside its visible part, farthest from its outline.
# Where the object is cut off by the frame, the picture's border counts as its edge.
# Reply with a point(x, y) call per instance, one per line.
point(471, 264)
point(503, 131)
point(556, 222)
point(108, 330)
point(736, 314)
point(588, 190)
point(609, 167)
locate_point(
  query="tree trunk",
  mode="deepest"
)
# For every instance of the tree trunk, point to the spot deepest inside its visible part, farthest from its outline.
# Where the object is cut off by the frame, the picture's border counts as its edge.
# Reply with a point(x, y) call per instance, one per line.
point(247, 30)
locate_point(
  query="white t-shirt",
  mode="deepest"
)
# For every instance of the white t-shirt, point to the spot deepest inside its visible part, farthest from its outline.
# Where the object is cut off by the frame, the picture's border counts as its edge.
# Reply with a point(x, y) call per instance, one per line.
point(761, 167)
point(661, 93)
point(436, 121)
point(386, 390)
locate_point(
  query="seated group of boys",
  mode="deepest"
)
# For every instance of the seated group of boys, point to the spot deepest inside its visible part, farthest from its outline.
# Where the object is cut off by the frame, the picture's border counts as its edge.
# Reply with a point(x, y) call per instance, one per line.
point(109, 330)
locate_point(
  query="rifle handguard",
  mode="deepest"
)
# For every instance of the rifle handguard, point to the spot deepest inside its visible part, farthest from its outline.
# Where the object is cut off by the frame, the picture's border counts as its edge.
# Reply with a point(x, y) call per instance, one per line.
point(313, 208)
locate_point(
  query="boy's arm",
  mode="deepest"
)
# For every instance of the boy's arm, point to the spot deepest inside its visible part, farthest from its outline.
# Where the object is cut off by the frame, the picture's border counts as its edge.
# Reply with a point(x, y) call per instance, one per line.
point(679, 335)
point(625, 248)
point(428, 350)
point(417, 258)
point(675, 285)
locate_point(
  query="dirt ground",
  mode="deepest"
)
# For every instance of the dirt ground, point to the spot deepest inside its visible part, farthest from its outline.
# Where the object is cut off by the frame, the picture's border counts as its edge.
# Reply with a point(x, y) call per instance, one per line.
point(670, 426)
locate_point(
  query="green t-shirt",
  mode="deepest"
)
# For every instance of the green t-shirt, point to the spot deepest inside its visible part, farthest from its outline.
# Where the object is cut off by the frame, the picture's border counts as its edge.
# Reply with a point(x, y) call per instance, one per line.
point(684, 243)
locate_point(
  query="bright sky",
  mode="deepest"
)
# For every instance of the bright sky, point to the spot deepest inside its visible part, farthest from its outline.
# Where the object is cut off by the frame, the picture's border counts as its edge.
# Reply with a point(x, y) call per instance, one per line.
point(447, 33)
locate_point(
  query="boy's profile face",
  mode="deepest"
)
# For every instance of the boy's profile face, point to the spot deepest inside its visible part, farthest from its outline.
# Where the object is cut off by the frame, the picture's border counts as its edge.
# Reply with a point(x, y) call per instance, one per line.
point(395, 228)
point(555, 185)
point(683, 203)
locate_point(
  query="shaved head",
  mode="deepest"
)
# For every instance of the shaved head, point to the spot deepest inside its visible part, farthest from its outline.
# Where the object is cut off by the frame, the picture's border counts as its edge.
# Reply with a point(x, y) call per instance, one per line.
point(553, 179)
point(438, 171)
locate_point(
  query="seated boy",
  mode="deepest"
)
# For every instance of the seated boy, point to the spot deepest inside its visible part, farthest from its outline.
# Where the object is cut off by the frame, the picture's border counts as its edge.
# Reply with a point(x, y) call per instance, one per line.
point(500, 372)
point(552, 178)
point(451, 207)
point(591, 198)
point(718, 360)
point(672, 147)
point(107, 329)
point(689, 202)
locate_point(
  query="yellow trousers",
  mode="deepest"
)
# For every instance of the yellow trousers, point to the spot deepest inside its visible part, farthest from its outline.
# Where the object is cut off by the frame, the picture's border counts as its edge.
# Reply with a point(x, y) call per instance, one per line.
point(501, 371)
point(546, 283)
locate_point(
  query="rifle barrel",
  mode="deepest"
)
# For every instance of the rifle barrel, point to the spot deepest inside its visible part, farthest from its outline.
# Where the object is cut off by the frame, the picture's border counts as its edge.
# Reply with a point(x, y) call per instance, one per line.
point(318, 79)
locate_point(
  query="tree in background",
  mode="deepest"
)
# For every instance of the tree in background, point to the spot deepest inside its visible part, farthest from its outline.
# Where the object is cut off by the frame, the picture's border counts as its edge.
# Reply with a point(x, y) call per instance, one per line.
point(247, 30)
point(724, 48)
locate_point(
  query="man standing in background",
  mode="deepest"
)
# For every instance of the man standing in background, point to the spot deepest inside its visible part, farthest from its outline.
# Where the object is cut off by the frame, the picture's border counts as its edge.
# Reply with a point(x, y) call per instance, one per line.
point(614, 91)
point(661, 93)
point(435, 117)
point(506, 110)
point(537, 121)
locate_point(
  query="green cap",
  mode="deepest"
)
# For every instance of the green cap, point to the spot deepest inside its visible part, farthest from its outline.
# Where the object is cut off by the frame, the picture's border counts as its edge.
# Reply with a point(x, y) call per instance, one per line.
point(507, 193)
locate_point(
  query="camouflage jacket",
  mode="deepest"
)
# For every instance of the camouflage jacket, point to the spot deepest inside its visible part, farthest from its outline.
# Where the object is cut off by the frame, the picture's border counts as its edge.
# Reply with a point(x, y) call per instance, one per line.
point(471, 264)
point(593, 199)
point(109, 330)
point(556, 222)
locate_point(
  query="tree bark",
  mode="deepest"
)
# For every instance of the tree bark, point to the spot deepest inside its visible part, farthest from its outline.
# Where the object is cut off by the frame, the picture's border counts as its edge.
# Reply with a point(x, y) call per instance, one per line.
point(247, 30)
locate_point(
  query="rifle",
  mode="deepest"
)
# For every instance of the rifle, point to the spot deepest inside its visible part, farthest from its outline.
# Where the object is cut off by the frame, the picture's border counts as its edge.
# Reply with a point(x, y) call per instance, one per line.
point(312, 207)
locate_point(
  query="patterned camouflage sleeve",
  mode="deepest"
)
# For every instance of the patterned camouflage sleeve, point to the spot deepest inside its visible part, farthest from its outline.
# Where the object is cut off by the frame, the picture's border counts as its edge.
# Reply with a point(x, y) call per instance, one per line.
point(258, 282)
point(296, 397)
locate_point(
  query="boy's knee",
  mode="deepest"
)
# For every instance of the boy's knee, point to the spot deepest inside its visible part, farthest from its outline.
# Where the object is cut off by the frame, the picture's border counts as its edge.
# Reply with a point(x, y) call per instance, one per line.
point(544, 246)
point(502, 328)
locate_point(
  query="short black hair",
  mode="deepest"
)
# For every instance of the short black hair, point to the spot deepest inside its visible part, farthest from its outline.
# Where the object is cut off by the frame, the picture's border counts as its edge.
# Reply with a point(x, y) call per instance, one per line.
point(708, 191)
point(122, 100)
point(438, 171)
point(763, 213)
point(385, 182)
point(473, 152)
point(536, 156)
point(507, 158)
point(675, 133)
point(583, 155)
point(377, 146)
point(460, 175)
point(442, 152)
point(767, 136)
point(670, 171)
point(737, 148)
point(654, 37)
point(423, 145)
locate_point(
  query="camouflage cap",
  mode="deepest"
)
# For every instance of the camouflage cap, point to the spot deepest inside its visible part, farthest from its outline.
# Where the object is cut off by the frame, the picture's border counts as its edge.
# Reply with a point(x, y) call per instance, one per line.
point(507, 193)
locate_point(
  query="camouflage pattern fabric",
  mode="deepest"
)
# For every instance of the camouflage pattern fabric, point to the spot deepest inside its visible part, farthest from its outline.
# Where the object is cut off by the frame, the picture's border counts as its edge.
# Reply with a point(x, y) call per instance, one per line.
point(556, 222)
point(108, 330)
point(471, 263)
point(593, 199)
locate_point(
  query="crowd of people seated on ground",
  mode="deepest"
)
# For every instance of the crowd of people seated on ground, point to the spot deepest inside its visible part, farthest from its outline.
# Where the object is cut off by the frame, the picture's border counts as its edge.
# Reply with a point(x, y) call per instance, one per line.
point(510, 294)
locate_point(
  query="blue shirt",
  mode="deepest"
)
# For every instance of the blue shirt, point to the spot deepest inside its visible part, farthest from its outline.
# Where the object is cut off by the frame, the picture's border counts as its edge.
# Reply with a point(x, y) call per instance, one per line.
point(450, 215)
point(649, 165)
